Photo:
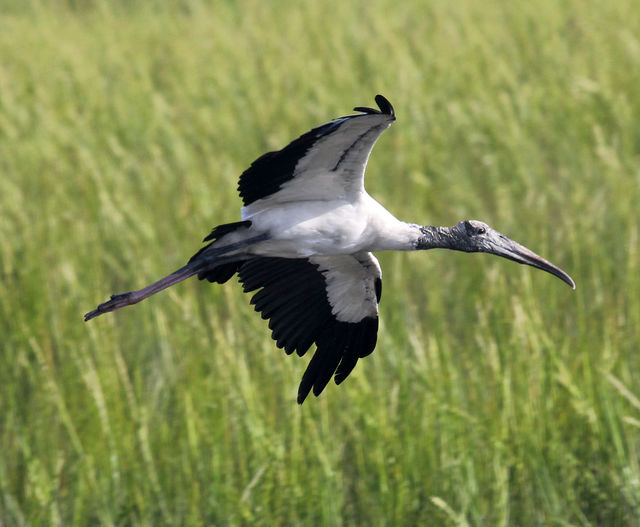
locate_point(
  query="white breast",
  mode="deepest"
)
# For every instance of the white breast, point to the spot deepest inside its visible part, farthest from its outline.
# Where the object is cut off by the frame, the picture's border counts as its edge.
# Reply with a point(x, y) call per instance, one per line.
point(303, 229)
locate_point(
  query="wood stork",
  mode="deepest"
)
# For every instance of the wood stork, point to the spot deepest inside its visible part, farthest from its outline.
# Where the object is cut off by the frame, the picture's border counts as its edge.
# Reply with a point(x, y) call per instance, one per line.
point(306, 240)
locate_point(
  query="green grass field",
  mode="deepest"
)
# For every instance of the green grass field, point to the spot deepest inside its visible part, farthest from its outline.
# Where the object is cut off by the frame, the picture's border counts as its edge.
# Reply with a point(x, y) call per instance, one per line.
point(496, 396)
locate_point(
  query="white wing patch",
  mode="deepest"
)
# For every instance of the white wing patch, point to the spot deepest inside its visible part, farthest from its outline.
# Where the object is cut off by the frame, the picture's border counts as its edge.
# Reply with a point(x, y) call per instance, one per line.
point(351, 285)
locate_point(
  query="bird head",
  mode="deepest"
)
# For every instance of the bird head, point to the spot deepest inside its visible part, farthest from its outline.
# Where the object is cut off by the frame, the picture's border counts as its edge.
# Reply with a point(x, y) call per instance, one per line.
point(475, 236)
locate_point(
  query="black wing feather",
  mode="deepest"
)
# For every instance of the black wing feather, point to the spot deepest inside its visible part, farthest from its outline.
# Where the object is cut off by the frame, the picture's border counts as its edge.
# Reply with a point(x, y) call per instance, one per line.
point(301, 338)
point(266, 174)
point(332, 350)
point(220, 273)
point(382, 102)
point(293, 296)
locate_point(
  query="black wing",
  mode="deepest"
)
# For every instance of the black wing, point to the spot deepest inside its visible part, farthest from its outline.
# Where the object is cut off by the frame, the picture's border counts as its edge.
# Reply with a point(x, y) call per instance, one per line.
point(329, 301)
point(326, 163)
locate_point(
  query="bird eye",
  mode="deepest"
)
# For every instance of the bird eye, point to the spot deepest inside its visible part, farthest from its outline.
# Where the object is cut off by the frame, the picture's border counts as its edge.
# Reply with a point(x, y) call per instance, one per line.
point(481, 230)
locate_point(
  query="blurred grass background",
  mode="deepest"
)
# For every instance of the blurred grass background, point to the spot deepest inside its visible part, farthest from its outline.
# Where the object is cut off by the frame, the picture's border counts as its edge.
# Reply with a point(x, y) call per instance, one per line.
point(496, 395)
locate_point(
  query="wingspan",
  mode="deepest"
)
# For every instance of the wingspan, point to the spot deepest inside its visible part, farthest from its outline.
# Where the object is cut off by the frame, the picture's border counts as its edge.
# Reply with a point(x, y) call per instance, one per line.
point(331, 301)
point(326, 163)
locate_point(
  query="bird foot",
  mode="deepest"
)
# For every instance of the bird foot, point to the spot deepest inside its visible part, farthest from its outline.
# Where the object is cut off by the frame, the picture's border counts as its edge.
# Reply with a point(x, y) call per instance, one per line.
point(116, 302)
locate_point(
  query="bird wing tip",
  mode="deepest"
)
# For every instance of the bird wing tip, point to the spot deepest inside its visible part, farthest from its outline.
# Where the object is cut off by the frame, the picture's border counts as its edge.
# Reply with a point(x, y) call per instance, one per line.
point(383, 103)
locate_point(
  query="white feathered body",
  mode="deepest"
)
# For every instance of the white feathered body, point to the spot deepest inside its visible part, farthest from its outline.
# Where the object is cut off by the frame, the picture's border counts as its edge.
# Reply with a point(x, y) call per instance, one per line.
point(311, 228)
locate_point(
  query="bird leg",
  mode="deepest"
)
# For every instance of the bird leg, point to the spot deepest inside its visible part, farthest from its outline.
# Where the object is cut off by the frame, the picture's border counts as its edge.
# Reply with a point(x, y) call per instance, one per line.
point(133, 297)
point(117, 301)
point(208, 258)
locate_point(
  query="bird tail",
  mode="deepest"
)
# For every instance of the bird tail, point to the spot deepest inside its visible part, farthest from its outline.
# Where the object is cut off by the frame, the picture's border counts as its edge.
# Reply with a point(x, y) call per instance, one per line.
point(203, 263)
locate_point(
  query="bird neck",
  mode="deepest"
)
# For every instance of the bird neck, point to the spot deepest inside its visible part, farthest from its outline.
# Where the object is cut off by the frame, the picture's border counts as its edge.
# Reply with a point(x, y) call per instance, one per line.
point(431, 237)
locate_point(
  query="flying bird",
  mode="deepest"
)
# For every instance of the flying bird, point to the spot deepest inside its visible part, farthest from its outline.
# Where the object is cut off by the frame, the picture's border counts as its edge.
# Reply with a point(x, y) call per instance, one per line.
point(306, 242)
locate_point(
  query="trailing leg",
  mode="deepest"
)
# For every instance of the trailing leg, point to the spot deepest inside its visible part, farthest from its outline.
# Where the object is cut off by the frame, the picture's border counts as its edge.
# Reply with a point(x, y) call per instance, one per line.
point(133, 297)
point(212, 262)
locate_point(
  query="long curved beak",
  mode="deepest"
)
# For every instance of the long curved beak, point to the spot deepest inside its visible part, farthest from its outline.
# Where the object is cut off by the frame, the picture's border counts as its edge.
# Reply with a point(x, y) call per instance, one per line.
point(519, 253)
